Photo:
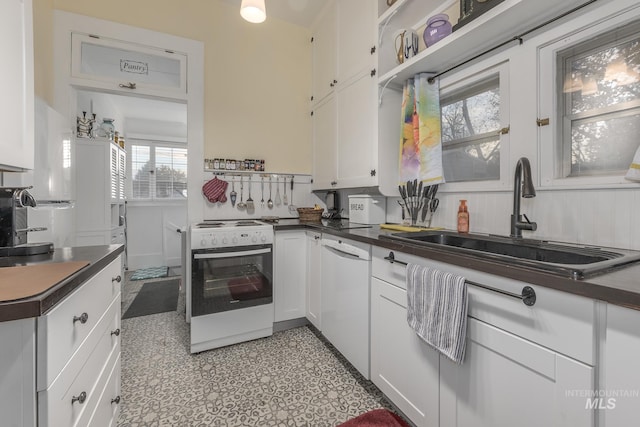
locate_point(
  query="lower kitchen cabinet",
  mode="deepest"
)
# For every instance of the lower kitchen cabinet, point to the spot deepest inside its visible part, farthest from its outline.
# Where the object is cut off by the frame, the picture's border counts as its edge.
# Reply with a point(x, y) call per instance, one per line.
point(620, 403)
point(508, 381)
point(403, 366)
point(314, 279)
point(62, 369)
point(290, 274)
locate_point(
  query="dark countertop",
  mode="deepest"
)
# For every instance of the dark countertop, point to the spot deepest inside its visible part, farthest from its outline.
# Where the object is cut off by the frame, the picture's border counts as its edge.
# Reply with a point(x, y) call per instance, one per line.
point(620, 286)
point(98, 257)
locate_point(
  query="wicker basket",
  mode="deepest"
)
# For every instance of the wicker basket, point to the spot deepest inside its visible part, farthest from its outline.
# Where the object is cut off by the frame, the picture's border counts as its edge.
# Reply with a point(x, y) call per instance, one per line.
point(310, 214)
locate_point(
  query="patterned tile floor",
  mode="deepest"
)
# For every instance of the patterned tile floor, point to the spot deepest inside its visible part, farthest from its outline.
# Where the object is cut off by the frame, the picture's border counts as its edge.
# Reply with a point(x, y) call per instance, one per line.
point(294, 378)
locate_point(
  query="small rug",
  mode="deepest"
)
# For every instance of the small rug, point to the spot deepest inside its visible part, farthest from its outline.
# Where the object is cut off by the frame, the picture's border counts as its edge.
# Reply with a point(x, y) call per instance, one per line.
point(149, 273)
point(376, 418)
point(154, 298)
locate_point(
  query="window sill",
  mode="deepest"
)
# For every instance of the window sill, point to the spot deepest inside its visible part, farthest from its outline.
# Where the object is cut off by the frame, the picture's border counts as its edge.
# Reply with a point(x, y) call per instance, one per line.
point(156, 202)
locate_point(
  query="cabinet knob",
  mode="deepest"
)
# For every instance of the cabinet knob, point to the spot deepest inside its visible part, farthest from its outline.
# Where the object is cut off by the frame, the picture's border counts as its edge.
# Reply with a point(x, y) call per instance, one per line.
point(116, 400)
point(316, 237)
point(116, 332)
point(80, 399)
point(82, 318)
point(118, 279)
point(334, 183)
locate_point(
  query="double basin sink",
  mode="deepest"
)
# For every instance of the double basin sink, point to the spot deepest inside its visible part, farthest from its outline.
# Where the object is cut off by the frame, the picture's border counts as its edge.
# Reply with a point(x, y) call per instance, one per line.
point(575, 261)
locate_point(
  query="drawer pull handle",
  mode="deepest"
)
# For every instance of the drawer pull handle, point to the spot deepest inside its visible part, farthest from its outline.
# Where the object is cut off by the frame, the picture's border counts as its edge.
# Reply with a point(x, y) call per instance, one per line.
point(80, 399)
point(118, 279)
point(528, 294)
point(116, 400)
point(82, 318)
point(116, 332)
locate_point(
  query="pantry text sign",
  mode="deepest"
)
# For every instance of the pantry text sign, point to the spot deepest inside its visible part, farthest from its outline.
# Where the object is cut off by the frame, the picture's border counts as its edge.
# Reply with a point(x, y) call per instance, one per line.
point(134, 67)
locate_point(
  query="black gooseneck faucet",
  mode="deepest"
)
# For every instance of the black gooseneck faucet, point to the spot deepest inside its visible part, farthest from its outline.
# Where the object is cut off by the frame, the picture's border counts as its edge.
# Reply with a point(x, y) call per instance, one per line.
point(522, 189)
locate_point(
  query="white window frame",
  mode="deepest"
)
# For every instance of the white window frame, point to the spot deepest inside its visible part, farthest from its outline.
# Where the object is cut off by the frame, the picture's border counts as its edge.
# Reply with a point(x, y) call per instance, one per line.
point(471, 77)
point(152, 143)
point(551, 160)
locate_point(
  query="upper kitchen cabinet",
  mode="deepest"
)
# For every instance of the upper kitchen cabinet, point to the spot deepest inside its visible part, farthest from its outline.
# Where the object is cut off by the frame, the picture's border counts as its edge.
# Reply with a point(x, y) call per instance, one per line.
point(324, 55)
point(16, 72)
point(114, 65)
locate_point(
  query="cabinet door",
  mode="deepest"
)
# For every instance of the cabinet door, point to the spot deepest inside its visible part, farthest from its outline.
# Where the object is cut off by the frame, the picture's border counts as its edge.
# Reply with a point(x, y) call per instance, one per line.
point(357, 123)
point(508, 381)
point(314, 279)
point(290, 275)
point(324, 144)
point(621, 374)
point(16, 73)
point(356, 37)
point(403, 366)
point(324, 54)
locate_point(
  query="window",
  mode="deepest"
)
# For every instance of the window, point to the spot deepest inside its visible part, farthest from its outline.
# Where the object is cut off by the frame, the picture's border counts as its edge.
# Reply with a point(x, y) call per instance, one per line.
point(598, 87)
point(159, 171)
point(472, 112)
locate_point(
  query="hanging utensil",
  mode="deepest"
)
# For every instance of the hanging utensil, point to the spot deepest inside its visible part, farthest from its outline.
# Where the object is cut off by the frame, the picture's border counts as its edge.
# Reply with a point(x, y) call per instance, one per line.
point(285, 200)
point(270, 202)
point(242, 204)
point(262, 189)
point(292, 208)
point(250, 205)
point(278, 198)
point(233, 195)
point(402, 206)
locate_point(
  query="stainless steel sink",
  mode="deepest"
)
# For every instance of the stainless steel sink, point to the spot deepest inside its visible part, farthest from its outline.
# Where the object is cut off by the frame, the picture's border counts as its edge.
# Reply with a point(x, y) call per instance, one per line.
point(577, 261)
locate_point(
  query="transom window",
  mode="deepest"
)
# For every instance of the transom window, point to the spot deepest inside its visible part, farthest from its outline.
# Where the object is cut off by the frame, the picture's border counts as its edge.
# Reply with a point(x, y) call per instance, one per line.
point(598, 82)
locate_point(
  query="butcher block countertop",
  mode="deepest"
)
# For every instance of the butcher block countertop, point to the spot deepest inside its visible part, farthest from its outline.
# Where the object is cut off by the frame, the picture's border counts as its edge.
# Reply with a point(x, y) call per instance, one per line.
point(620, 286)
point(32, 285)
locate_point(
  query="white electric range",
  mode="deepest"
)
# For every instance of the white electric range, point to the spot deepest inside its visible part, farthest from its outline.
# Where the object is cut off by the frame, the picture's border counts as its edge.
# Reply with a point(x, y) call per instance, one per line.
point(229, 292)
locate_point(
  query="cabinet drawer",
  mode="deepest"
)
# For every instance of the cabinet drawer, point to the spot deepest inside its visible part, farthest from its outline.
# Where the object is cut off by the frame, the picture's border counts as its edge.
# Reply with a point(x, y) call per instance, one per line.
point(108, 405)
point(558, 320)
point(84, 376)
point(60, 336)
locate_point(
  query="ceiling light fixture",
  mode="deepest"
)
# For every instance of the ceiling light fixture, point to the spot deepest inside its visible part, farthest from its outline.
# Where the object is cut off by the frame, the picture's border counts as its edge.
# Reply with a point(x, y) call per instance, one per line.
point(253, 11)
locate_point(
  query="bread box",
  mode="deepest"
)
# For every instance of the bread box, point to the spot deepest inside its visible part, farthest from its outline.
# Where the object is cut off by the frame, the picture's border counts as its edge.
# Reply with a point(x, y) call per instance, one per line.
point(367, 209)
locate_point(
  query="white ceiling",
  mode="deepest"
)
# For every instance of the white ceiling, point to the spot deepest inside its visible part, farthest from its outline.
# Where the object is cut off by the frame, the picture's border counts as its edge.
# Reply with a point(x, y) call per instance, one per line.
point(298, 12)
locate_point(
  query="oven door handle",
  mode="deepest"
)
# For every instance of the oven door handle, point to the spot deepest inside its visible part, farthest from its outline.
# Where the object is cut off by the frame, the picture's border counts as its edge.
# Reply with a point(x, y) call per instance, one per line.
point(231, 254)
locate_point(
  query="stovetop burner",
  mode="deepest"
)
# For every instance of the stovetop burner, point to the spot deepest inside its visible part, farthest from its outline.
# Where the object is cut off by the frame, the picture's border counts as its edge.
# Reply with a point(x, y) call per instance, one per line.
point(227, 224)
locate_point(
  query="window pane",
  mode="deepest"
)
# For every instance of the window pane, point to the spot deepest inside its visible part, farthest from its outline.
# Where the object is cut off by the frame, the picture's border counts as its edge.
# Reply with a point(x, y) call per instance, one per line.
point(473, 162)
point(140, 168)
point(599, 87)
point(470, 123)
point(171, 172)
point(604, 146)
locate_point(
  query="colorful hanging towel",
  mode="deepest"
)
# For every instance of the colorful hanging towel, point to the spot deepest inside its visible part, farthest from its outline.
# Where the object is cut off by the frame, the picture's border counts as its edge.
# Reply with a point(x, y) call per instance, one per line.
point(420, 143)
point(214, 190)
point(634, 170)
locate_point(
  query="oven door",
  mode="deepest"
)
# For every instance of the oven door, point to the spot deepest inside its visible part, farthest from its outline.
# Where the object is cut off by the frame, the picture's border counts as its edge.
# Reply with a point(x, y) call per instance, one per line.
point(231, 278)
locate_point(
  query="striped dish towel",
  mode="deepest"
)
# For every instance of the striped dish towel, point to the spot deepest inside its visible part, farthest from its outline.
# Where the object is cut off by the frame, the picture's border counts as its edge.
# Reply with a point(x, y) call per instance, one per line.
point(437, 309)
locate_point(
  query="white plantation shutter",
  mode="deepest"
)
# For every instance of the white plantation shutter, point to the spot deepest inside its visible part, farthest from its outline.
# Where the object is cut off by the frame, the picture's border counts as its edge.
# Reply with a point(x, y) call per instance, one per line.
point(158, 171)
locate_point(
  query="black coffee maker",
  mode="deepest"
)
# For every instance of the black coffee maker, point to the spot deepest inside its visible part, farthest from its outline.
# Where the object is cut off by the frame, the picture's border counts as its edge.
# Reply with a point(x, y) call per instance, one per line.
point(332, 200)
point(14, 202)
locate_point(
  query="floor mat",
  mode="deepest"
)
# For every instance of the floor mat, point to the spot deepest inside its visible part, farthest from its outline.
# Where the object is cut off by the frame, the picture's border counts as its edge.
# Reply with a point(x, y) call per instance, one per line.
point(153, 298)
point(149, 273)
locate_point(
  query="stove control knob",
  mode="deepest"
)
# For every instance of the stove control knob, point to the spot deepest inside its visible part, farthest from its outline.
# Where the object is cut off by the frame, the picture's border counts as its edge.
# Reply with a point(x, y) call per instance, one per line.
point(224, 241)
point(254, 239)
point(214, 240)
point(234, 240)
point(203, 242)
point(263, 238)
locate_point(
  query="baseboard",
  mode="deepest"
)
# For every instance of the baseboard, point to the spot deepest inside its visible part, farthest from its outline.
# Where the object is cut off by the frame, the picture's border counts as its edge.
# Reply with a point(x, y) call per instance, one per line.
point(290, 324)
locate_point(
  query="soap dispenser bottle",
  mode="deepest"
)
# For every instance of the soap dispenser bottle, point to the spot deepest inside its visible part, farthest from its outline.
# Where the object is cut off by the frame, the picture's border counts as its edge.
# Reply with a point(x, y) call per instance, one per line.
point(463, 217)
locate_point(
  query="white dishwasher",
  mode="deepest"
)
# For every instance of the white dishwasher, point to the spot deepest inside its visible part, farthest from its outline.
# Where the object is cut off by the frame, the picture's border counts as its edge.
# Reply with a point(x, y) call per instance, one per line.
point(346, 272)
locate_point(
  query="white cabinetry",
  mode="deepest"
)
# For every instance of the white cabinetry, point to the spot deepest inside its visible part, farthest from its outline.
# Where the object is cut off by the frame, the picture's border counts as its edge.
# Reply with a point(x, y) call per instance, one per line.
point(16, 73)
point(541, 356)
point(100, 178)
point(620, 403)
point(344, 95)
point(346, 269)
point(314, 279)
point(290, 275)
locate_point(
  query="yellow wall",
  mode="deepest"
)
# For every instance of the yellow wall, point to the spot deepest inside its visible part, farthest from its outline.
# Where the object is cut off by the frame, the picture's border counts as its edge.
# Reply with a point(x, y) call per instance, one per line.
point(257, 77)
point(43, 49)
